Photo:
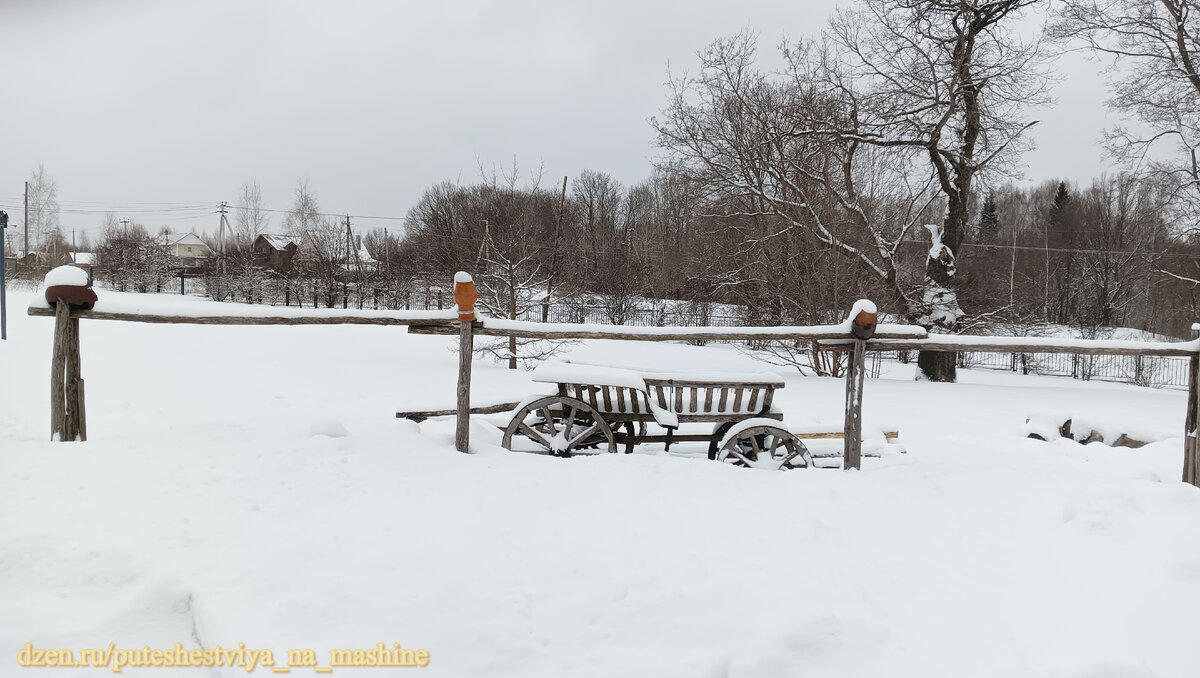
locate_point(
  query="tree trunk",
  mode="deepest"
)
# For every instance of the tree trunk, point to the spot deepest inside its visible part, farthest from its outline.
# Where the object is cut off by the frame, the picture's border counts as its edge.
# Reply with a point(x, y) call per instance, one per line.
point(938, 366)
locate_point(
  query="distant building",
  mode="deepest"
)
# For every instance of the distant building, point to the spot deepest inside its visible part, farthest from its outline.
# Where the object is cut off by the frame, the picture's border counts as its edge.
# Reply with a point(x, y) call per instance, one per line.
point(188, 247)
point(275, 251)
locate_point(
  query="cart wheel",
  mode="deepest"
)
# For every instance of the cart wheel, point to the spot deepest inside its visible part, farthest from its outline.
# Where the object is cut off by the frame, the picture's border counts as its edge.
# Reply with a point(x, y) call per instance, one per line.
point(769, 447)
point(560, 426)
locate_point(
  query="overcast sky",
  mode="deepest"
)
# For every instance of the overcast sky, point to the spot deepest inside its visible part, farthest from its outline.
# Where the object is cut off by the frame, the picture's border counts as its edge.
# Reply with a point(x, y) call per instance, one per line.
point(158, 101)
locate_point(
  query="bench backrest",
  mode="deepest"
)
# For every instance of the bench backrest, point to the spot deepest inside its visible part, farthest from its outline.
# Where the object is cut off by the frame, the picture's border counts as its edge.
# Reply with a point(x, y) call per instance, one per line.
point(679, 396)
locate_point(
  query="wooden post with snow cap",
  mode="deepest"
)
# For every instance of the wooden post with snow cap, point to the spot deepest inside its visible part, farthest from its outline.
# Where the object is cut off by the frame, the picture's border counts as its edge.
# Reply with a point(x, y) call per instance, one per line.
point(861, 325)
point(67, 288)
point(465, 296)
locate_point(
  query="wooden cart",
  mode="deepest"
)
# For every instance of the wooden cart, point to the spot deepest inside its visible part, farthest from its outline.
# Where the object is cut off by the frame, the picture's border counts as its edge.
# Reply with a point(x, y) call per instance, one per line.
point(596, 409)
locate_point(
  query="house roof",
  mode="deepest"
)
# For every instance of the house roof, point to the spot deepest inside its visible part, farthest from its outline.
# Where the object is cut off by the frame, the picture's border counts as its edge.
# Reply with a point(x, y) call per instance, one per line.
point(184, 239)
point(280, 242)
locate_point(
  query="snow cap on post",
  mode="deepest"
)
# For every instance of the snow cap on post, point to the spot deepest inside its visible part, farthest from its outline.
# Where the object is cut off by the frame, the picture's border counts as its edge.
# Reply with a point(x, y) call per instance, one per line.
point(465, 296)
point(69, 284)
point(863, 319)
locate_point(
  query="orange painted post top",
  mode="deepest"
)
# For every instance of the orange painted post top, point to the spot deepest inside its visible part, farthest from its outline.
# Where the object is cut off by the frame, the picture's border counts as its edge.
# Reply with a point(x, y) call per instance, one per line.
point(863, 323)
point(465, 296)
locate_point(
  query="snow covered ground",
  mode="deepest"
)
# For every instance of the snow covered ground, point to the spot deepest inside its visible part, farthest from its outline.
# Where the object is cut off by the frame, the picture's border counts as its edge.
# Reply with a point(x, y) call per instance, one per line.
point(251, 485)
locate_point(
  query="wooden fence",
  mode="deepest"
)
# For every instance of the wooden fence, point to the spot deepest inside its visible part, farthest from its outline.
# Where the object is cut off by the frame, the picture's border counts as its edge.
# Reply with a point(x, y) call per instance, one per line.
point(68, 420)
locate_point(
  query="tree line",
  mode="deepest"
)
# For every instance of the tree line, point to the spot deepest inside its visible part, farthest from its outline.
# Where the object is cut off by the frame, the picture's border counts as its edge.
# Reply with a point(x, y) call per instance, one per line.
point(877, 160)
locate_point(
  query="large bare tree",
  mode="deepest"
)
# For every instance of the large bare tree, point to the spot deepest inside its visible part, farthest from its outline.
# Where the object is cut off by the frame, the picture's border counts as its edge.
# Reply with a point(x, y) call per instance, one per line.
point(950, 78)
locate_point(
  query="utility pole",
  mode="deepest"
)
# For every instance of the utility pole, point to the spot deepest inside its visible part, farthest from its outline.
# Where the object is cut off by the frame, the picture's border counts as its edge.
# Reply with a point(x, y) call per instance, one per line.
point(387, 246)
point(26, 252)
point(125, 223)
point(73, 246)
point(3, 280)
point(224, 208)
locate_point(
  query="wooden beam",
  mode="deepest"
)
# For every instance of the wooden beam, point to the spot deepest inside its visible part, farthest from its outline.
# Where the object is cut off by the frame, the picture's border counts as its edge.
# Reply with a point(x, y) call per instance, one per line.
point(782, 333)
point(427, 414)
point(254, 320)
point(58, 366)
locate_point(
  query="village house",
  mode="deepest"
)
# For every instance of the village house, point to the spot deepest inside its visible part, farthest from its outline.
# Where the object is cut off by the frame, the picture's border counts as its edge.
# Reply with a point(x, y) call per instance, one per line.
point(275, 251)
point(187, 247)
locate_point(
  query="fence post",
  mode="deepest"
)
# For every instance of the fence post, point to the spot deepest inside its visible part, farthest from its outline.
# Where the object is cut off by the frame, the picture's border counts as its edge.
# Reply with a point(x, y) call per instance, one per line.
point(67, 420)
point(862, 327)
point(1191, 441)
point(465, 296)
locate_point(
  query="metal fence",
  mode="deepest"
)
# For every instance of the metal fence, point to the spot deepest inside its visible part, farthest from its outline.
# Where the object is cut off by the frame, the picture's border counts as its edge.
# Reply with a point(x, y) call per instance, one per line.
point(1157, 371)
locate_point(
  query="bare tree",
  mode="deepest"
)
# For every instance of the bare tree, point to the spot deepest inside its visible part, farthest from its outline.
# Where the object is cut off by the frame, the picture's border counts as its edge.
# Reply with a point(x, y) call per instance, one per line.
point(783, 175)
point(1154, 50)
point(949, 78)
point(252, 219)
point(305, 213)
point(43, 206)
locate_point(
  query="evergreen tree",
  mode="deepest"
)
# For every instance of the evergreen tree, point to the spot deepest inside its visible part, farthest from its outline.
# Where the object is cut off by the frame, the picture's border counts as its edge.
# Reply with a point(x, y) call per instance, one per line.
point(1058, 210)
point(989, 222)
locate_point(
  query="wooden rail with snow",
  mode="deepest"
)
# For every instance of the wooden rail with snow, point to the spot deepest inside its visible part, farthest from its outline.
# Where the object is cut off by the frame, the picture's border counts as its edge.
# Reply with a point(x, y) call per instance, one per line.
point(68, 300)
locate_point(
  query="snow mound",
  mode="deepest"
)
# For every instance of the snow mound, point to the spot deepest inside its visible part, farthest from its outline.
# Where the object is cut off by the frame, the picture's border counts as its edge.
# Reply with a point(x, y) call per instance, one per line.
point(462, 277)
point(327, 426)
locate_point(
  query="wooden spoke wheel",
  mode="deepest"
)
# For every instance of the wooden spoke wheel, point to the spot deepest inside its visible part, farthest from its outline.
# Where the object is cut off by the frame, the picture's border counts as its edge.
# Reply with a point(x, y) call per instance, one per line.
point(769, 447)
point(561, 426)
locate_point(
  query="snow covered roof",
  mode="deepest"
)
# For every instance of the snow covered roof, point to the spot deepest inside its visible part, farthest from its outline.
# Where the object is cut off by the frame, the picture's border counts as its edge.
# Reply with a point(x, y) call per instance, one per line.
point(184, 239)
point(280, 241)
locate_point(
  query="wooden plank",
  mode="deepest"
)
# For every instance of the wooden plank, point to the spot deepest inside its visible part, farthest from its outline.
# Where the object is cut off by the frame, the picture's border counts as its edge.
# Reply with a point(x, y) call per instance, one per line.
point(855, 372)
point(450, 326)
point(693, 405)
point(71, 378)
point(422, 415)
point(724, 398)
point(678, 399)
point(58, 413)
point(768, 398)
point(551, 331)
point(752, 405)
point(713, 382)
point(708, 398)
point(82, 411)
point(462, 427)
point(737, 400)
point(662, 395)
point(606, 392)
point(834, 435)
point(621, 400)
